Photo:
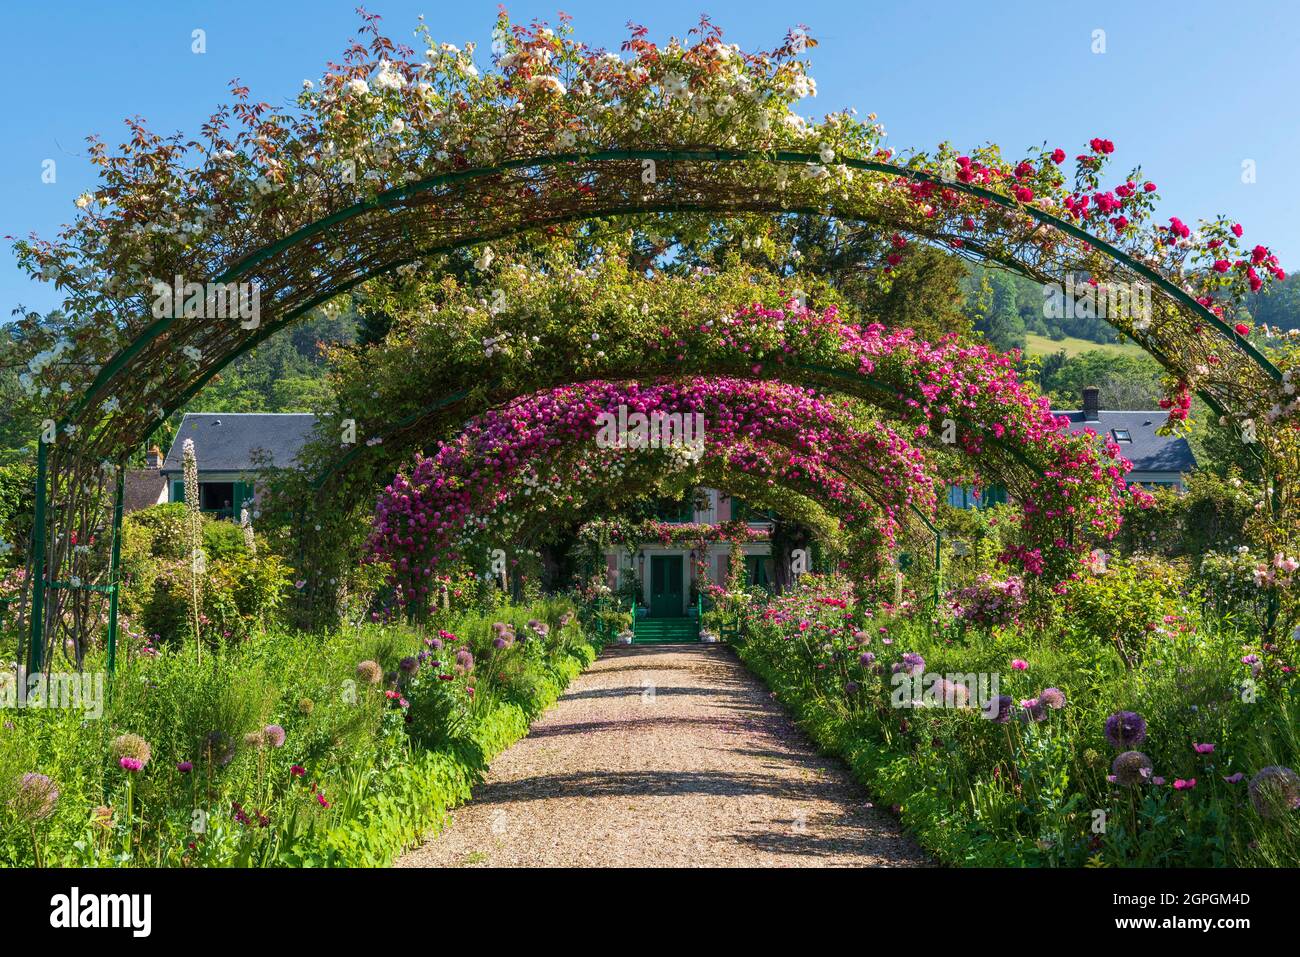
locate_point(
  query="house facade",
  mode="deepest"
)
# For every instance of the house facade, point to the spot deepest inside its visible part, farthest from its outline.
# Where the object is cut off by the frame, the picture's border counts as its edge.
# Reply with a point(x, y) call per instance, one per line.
point(668, 572)
point(231, 450)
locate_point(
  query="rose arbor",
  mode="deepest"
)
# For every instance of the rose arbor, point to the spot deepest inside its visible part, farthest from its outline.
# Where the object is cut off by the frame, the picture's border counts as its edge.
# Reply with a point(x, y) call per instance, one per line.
point(398, 155)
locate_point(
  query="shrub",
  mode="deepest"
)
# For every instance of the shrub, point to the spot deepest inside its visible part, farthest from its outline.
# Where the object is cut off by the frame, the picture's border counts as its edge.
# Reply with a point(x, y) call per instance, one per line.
point(1025, 791)
point(223, 540)
point(1127, 604)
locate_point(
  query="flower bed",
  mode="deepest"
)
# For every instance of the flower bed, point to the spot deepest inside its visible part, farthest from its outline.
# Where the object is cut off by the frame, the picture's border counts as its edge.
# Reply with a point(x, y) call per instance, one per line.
point(1071, 759)
point(293, 751)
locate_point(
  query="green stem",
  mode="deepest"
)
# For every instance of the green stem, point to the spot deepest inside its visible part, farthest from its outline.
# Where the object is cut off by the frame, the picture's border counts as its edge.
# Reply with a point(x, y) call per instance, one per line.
point(36, 844)
point(130, 815)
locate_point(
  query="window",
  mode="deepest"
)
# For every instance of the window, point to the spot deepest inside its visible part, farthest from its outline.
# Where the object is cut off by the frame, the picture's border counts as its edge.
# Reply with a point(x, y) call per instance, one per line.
point(1122, 435)
point(682, 510)
point(224, 499)
point(966, 497)
point(217, 497)
point(759, 571)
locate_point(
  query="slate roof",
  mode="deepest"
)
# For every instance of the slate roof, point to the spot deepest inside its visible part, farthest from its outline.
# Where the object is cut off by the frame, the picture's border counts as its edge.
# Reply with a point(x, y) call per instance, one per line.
point(1148, 452)
point(226, 442)
point(141, 488)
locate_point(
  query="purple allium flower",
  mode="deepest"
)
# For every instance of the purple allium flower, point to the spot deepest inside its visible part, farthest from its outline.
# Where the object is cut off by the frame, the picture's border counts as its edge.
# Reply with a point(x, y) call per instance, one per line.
point(1124, 729)
point(499, 643)
point(1131, 769)
point(184, 767)
point(408, 665)
point(867, 659)
point(434, 643)
point(273, 735)
point(132, 746)
point(951, 693)
point(912, 664)
point(36, 797)
point(464, 660)
point(1053, 698)
point(851, 687)
point(1000, 710)
point(1234, 778)
point(1274, 791)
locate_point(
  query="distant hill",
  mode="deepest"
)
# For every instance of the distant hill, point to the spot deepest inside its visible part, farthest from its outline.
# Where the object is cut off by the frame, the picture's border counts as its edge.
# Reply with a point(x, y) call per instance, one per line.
point(1043, 346)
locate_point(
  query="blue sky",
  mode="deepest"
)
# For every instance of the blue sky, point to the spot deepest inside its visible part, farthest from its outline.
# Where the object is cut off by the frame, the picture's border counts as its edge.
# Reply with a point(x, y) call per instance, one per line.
point(1189, 89)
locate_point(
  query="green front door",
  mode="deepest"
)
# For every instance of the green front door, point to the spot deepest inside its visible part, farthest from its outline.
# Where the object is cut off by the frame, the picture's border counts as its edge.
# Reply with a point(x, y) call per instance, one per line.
point(666, 596)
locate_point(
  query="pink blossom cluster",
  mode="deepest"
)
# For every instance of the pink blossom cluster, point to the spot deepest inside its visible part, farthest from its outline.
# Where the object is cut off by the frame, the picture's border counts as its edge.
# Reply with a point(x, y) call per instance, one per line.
point(542, 449)
point(988, 602)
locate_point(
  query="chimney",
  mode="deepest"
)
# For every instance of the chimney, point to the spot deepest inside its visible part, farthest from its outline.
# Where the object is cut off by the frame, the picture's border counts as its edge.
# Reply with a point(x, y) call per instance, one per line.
point(154, 459)
point(1091, 403)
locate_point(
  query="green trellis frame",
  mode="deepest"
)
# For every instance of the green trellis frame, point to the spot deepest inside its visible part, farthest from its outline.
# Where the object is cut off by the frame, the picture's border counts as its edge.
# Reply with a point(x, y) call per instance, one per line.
point(397, 195)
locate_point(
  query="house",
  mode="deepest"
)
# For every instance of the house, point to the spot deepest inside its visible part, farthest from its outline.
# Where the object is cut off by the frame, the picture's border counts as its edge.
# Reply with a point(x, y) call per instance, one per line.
point(1158, 460)
point(231, 450)
point(144, 487)
point(667, 572)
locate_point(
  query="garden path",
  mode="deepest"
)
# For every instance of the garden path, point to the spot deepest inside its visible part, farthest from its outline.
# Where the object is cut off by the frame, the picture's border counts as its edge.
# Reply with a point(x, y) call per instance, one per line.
point(670, 755)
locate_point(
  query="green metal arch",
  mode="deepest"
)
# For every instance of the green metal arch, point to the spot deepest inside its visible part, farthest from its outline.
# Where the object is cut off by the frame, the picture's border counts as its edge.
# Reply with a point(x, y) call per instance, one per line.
point(396, 195)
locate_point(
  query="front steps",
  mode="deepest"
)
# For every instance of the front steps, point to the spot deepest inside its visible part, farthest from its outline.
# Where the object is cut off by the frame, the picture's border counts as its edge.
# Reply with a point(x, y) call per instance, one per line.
point(664, 631)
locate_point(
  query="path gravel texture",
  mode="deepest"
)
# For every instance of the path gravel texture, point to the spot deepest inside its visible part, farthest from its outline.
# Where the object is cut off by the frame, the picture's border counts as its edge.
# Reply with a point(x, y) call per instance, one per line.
point(668, 756)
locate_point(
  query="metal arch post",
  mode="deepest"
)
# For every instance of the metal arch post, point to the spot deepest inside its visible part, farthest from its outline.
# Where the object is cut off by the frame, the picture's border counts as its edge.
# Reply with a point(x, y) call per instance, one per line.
point(36, 646)
point(938, 568)
point(115, 564)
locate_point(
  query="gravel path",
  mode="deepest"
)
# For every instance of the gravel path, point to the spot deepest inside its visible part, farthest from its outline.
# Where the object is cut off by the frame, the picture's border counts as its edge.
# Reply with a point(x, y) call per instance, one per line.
point(672, 755)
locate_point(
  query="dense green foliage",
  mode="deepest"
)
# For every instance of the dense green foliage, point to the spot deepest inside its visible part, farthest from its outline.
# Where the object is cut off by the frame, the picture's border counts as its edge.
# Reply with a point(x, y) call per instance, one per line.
point(301, 750)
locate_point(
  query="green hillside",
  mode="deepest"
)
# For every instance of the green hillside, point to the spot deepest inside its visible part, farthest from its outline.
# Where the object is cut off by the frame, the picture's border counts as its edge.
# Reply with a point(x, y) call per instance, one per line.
point(1041, 345)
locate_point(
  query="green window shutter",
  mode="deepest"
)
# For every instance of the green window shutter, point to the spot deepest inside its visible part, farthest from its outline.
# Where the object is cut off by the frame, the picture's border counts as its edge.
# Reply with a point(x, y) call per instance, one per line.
point(178, 490)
